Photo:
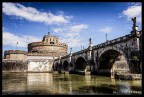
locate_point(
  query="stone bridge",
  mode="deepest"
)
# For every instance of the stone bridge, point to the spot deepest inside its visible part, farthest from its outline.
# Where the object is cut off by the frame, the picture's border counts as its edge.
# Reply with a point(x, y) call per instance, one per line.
point(122, 54)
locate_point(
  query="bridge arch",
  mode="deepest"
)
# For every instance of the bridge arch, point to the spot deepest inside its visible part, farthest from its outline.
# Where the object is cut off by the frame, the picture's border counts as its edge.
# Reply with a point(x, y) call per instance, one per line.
point(55, 66)
point(79, 57)
point(113, 48)
point(112, 60)
point(80, 64)
point(65, 65)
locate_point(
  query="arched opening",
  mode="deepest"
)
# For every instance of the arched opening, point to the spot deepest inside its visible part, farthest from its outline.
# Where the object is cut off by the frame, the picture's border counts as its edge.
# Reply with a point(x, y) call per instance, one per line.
point(112, 61)
point(65, 65)
point(80, 64)
point(56, 67)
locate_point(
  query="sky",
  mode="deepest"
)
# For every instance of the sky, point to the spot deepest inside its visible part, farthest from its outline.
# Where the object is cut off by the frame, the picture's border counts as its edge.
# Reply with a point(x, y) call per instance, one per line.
point(73, 22)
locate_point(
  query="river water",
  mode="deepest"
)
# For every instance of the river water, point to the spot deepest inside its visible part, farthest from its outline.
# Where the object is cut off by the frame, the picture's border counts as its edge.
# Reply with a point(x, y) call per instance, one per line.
point(66, 84)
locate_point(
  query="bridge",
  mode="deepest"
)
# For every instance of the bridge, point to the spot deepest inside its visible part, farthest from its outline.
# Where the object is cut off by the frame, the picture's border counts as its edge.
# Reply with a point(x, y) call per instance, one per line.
point(122, 54)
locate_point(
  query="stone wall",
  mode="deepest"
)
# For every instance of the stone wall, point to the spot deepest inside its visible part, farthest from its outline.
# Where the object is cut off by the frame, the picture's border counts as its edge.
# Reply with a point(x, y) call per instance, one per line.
point(37, 65)
point(18, 56)
point(14, 66)
point(40, 66)
point(15, 55)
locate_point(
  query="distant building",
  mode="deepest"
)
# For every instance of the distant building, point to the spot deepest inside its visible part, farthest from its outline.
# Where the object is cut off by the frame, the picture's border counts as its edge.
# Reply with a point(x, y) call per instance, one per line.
point(49, 46)
point(40, 55)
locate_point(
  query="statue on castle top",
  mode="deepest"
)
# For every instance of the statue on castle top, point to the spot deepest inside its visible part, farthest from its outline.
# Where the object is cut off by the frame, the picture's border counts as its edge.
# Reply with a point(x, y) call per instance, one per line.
point(48, 33)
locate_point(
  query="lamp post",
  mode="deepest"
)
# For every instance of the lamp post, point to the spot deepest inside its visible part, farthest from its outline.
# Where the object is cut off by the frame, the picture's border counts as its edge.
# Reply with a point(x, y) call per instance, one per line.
point(106, 37)
point(16, 50)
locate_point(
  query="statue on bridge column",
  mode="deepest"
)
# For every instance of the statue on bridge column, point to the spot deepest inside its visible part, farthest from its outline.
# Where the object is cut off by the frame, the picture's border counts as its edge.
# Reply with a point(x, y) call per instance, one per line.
point(134, 21)
point(70, 55)
point(135, 27)
point(90, 40)
point(71, 49)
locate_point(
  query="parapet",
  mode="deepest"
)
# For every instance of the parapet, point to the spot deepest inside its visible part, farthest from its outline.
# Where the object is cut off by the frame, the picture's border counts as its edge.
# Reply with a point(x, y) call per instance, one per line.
point(7, 52)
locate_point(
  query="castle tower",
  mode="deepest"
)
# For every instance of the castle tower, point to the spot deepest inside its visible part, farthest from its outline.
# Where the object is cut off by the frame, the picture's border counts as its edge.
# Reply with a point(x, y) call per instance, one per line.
point(42, 54)
point(49, 46)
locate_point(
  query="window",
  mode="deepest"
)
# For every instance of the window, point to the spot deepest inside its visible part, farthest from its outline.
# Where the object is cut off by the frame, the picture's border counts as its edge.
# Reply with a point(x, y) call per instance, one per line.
point(51, 42)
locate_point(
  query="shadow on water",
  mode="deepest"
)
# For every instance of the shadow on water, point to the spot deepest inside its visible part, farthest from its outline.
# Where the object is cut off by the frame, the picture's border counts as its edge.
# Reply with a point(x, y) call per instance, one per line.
point(30, 92)
point(108, 89)
point(61, 79)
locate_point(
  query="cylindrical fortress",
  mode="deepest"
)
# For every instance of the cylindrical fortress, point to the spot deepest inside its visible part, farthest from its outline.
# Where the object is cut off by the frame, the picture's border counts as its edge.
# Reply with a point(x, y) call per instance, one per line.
point(39, 57)
point(50, 45)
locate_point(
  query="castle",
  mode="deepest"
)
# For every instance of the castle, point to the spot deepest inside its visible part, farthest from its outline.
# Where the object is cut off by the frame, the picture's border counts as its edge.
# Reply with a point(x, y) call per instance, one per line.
point(39, 58)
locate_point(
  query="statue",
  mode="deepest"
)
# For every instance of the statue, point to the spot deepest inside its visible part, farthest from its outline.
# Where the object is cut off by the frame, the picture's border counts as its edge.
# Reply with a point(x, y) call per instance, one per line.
point(71, 49)
point(90, 40)
point(48, 33)
point(134, 21)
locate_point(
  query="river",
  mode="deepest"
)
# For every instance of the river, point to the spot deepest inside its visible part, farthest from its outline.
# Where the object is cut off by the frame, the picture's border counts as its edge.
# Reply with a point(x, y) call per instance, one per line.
point(66, 84)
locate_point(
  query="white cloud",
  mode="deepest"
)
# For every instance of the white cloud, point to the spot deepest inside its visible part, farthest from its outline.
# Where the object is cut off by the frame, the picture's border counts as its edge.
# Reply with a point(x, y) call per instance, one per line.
point(11, 39)
point(78, 28)
point(59, 30)
point(71, 34)
point(32, 14)
point(71, 41)
point(68, 33)
point(106, 29)
point(133, 11)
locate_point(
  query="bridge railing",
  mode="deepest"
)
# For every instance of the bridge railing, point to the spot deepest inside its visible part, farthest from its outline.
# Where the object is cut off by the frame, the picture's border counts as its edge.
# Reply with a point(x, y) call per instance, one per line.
point(110, 42)
point(76, 53)
point(56, 59)
point(66, 56)
point(80, 52)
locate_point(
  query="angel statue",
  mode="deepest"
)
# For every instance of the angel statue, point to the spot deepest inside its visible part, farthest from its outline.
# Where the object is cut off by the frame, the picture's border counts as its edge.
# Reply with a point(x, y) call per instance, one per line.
point(134, 21)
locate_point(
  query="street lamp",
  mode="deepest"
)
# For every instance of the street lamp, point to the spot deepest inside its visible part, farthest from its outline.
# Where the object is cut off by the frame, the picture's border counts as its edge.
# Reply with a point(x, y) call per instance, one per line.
point(106, 37)
point(16, 50)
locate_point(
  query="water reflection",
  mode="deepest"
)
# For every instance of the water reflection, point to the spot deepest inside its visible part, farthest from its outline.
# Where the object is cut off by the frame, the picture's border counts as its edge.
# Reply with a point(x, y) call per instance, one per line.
point(87, 79)
point(124, 88)
point(69, 84)
point(41, 82)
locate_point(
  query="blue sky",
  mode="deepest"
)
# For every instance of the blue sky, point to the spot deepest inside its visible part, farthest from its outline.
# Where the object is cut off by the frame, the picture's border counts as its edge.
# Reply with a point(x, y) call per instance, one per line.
point(74, 23)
